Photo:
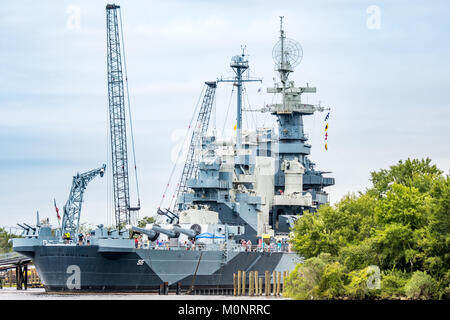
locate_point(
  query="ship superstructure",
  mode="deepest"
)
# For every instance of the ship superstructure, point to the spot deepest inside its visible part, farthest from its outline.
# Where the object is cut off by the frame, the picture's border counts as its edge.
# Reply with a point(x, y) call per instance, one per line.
point(262, 180)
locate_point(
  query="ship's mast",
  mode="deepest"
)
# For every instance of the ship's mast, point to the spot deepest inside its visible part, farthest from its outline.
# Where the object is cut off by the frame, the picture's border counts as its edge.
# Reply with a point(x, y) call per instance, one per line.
point(292, 143)
point(239, 64)
point(116, 98)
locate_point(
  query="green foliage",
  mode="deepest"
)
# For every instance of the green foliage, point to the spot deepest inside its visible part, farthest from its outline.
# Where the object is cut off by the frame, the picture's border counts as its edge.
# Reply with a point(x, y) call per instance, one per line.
point(86, 228)
point(403, 205)
point(331, 282)
point(393, 283)
point(421, 286)
point(6, 247)
point(330, 229)
point(356, 287)
point(411, 173)
point(302, 282)
point(401, 225)
point(358, 256)
point(316, 278)
point(144, 221)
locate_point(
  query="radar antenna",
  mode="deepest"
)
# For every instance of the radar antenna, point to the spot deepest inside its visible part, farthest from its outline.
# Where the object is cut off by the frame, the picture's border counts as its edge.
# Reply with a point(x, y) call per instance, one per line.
point(287, 54)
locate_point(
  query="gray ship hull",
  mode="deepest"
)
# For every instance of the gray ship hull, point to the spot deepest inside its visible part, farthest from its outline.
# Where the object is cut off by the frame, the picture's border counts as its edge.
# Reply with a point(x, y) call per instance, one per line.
point(94, 268)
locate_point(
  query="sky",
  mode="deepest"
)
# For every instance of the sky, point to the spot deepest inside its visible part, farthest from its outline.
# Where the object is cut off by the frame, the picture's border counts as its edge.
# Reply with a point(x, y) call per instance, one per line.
point(382, 66)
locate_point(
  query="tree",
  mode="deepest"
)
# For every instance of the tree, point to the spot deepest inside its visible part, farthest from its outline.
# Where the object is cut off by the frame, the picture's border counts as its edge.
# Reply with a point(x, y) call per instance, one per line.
point(6, 247)
point(411, 173)
point(401, 225)
point(145, 220)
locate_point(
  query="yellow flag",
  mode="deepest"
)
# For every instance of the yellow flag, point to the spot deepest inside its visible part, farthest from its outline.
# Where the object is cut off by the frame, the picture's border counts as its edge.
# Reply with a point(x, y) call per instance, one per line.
point(326, 127)
point(235, 126)
point(326, 147)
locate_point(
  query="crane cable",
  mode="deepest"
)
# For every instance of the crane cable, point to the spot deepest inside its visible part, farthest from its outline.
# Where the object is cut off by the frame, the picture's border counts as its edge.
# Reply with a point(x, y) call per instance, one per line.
point(181, 150)
point(129, 109)
point(228, 109)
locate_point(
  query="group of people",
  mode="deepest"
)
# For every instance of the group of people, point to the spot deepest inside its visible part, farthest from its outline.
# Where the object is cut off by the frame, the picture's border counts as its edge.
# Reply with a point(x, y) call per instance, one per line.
point(139, 242)
point(161, 244)
point(84, 239)
point(264, 246)
point(190, 245)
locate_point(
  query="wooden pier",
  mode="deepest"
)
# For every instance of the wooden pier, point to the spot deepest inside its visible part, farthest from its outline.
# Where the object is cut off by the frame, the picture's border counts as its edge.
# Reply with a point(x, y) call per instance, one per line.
point(17, 270)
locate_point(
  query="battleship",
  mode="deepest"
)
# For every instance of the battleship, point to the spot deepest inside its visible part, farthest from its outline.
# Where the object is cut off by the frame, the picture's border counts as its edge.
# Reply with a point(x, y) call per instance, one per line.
point(252, 187)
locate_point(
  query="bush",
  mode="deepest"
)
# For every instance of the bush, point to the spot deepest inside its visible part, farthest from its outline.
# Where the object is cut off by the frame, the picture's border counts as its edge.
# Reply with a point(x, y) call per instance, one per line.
point(421, 286)
point(331, 283)
point(393, 284)
point(302, 282)
point(316, 278)
point(357, 284)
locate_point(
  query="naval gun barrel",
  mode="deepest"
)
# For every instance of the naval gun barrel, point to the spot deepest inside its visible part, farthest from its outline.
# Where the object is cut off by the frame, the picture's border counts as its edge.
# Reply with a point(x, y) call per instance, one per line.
point(167, 232)
point(34, 229)
point(189, 232)
point(151, 234)
point(24, 228)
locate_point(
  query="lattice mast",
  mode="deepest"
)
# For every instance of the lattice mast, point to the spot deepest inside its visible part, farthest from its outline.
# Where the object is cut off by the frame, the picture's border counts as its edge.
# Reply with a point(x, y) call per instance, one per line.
point(116, 98)
point(190, 168)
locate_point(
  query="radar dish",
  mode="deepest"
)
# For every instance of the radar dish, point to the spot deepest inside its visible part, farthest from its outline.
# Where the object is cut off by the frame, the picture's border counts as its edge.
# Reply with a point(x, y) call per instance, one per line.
point(293, 52)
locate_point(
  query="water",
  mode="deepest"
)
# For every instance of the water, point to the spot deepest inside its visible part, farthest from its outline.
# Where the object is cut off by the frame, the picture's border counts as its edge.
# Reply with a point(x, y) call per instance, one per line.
point(40, 294)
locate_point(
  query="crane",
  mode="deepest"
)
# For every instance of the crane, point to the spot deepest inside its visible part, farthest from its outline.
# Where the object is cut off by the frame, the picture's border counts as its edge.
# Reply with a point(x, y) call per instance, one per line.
point(190, 168)
point(72, 208)
point(116, 99)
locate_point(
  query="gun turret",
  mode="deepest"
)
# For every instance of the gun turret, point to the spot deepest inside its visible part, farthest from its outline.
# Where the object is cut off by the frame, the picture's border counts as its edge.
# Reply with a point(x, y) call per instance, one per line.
point(189, 232)
point(151, 234)
point(167, 232)
point(169, 214)
point(32, 228)
point(24, 228)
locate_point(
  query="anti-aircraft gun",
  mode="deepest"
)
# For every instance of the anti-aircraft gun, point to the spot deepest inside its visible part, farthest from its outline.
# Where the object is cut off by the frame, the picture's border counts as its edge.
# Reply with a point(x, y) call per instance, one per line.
point(151, 234)
point(72, 208)
point(175, 232)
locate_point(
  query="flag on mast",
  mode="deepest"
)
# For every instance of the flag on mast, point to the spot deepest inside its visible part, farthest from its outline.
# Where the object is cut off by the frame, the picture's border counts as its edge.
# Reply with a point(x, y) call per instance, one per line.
point(57, 210)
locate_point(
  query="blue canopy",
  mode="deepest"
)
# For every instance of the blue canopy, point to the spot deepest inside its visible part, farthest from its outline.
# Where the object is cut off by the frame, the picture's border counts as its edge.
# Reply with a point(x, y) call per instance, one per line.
point(208, 235)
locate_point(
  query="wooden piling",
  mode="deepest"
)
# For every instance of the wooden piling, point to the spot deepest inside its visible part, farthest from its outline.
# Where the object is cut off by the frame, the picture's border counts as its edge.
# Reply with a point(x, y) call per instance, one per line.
point(260, 286)
point(250, 283)
point(274, 283)
point(256, 283)
point(234, 284)
point(267, 283)
point(239, 283)
point(244, 282)
point(278, 282)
